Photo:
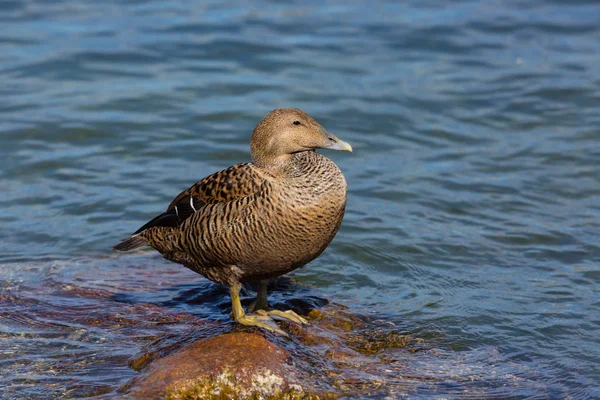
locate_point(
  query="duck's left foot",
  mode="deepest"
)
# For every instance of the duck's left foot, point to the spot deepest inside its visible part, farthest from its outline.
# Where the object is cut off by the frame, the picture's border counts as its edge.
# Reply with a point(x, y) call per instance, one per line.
point(260, 320)
point(288, 315)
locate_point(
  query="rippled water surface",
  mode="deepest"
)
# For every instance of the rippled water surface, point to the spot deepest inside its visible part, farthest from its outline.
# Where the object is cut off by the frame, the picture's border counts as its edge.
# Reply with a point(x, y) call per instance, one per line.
point(474, 190)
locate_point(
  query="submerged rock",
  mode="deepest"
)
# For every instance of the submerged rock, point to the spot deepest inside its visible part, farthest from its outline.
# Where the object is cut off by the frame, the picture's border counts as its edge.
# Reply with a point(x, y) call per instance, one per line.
point(230, 366)
point(337, 354)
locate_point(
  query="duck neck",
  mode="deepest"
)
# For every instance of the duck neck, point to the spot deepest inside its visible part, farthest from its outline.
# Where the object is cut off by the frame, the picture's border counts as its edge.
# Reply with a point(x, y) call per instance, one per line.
point(287, 165)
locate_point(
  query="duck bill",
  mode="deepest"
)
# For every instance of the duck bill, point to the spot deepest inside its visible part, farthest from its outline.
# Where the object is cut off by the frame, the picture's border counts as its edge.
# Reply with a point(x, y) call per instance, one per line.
point(340, 145)
point(336, 144)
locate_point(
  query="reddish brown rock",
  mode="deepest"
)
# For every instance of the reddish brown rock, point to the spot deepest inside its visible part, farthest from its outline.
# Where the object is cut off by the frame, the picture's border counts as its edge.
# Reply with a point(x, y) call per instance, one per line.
point(244, 364)
point(337, 354)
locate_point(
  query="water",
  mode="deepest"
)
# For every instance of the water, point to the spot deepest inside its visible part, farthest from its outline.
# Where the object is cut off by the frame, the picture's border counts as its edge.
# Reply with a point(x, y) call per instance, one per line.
point(473, 212)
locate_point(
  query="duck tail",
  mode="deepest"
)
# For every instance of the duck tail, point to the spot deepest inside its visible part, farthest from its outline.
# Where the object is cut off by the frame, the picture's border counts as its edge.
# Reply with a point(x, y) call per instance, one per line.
point(131, 243)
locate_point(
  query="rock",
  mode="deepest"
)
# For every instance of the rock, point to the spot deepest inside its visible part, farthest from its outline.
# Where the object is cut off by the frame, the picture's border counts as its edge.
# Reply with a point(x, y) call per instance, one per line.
point(337, 354)
point(230, 366)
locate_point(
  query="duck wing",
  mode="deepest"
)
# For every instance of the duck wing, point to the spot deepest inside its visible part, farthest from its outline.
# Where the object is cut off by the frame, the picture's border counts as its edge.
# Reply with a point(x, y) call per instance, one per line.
point(237, 181)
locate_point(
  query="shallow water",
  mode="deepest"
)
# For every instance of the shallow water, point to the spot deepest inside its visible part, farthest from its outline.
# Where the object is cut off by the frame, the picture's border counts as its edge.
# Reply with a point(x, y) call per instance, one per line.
point(473, 212)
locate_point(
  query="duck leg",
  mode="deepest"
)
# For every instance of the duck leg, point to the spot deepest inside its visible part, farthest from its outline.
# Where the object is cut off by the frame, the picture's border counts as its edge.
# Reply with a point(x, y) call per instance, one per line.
point(260, 302)
point(261, 307)
point(258, 320)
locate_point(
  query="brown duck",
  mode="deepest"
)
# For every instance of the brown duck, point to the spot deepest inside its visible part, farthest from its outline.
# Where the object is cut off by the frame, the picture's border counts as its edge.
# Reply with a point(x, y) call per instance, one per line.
point(259, 220)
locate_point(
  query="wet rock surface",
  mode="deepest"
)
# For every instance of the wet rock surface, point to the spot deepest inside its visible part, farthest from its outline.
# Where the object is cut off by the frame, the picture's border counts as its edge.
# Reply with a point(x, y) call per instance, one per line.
point(332, 357)
point(240, 364)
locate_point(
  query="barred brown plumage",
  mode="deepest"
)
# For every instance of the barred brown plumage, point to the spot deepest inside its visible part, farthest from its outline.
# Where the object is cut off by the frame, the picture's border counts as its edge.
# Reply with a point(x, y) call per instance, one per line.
point(256, 221)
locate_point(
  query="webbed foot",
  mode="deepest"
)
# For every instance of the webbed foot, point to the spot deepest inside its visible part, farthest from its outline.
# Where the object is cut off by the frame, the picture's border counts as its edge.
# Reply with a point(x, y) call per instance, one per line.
point(262, 318)
point(260, 321)
point(288, 315)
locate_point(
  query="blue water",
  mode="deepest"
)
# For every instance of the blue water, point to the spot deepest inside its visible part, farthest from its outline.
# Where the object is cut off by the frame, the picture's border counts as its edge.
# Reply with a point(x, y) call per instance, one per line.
point(473, 216)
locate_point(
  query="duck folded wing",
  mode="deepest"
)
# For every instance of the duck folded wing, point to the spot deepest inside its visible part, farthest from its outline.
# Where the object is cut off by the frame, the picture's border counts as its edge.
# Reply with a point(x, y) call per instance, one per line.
point(237, 181)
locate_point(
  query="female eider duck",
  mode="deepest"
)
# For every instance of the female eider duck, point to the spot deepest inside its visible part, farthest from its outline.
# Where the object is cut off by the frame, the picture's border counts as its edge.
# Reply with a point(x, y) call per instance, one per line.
point(256, 221)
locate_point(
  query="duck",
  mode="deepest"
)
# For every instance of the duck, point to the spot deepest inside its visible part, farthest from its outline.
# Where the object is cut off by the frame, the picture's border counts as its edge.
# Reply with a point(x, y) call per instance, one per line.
point(256, 221)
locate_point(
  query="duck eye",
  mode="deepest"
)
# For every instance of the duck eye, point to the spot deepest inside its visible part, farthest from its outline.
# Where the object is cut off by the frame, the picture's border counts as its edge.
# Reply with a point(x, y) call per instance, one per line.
point(296, 123)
